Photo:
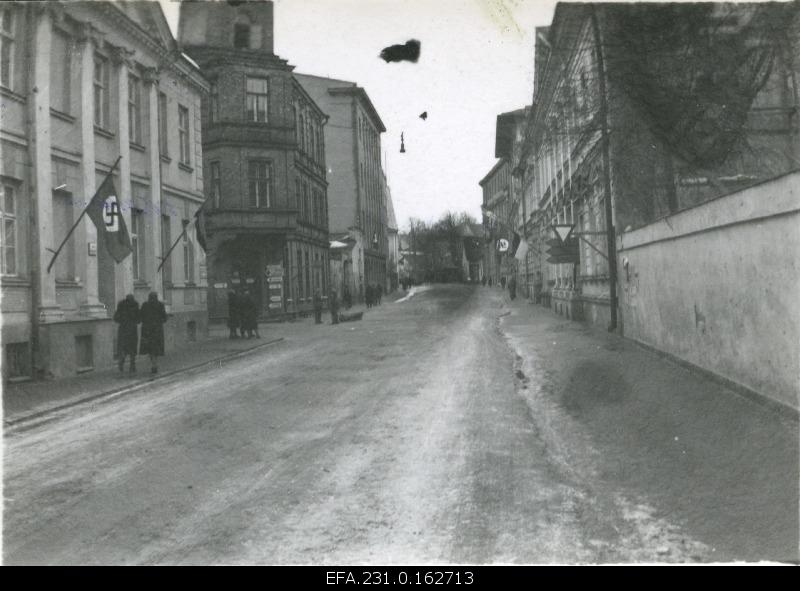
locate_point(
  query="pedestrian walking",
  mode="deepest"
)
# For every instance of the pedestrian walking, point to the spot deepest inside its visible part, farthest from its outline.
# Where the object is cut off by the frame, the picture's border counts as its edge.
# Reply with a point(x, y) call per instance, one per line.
point(368, 296)
point(153, 316)
point(333, 304)
point(127, 316)
point(249, 316)
point(233, 314)
point(490, 281)
point(512, 287)
point(483, 281)
point(503, 282)
point(379, 291)
point(317, 307)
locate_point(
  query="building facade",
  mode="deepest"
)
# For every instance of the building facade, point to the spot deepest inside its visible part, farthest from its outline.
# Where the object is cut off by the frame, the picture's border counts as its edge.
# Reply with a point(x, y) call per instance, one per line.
point(355, 193)
point(392, 240)
point(677, 197)
point(497, 219)
point(264, 150)
point(81, 85)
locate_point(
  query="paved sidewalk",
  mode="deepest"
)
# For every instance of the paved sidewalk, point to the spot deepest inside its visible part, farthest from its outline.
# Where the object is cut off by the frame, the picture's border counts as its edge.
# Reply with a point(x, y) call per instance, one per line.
point(722, 466)
point(26, 400)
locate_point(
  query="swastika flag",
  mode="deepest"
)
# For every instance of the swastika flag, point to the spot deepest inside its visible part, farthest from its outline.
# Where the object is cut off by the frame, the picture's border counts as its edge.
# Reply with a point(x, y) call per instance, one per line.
point(105, 212)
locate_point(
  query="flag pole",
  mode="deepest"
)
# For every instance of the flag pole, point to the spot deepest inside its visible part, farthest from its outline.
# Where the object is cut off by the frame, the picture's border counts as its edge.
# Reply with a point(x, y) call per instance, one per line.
point(174, 244)
point(80, 217)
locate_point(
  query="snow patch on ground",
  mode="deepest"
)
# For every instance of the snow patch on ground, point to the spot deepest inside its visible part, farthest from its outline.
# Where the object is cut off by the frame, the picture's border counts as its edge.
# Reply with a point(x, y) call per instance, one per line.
point(413, 291)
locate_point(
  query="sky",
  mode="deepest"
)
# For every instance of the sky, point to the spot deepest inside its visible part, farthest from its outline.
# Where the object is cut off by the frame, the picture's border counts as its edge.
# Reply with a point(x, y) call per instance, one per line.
point(476, 62)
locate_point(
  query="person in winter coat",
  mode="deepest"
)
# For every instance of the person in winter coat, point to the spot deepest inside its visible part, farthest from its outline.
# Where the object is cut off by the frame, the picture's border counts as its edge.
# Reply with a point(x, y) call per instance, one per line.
point(153, 316)
point(512, 287)
point(249, 316)
point(379, 293)
point(333, 304)
point(368, 296)
point(127, 316)
point(317, 307)
point(233, 314)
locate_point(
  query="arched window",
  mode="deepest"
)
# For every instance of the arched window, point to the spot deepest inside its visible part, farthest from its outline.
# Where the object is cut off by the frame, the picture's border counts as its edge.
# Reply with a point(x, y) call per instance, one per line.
point(241, 36)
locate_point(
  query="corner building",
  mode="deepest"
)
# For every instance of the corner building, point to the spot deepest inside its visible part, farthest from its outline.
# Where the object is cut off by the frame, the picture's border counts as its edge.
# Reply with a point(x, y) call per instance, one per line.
point(264, 150)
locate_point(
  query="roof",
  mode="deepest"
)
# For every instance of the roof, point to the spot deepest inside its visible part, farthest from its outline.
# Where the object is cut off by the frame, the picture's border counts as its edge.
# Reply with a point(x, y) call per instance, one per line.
point(504, 131)
point(391, 220)
point(495, 168)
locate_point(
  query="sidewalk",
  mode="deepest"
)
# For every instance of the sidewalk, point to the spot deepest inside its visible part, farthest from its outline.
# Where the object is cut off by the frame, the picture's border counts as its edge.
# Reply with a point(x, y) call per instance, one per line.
point(623, 418)
point(27, 400)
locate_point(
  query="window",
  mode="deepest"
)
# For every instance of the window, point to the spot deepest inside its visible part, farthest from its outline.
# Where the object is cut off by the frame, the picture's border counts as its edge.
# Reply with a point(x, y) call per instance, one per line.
point(8, 231)
point(17, 358)
point(6, 47)
point(216, 180)
point(259, 178)
point(241, 36)
point(188, 254)
point(301, 136)
point(84, 352)
point(213, 105)
point(62, 222)
point(256, 97)
point(183, 133)
point(101, 84)
point(163, 124)
point(135, 109)
point(308, 275)
point(301, 291)
point(166, 243)
point(297, 193)
point(305, 211)
point(60, 72)
point(137, 243)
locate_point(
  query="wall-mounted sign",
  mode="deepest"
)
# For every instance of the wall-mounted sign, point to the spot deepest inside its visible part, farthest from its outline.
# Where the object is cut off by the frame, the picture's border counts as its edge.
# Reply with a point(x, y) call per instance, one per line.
point(92, 249)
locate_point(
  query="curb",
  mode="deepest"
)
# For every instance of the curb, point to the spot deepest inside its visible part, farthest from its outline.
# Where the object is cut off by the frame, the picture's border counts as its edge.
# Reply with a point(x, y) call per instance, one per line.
point(12, 425)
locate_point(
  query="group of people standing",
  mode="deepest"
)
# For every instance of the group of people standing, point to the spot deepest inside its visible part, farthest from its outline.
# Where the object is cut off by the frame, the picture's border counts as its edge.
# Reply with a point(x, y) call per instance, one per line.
point(373, 295)
point(151, 315)
point(512, 284)
point(242, 315)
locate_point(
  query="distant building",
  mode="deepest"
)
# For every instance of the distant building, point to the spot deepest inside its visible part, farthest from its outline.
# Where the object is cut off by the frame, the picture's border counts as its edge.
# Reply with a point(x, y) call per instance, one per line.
point(498, 220)
point(264, 150)
point(393, 242)
point(355, 192)
point(82, 83)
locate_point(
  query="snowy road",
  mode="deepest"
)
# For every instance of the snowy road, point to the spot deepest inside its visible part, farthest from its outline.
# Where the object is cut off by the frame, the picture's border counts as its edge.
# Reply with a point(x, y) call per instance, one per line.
point(403, 438)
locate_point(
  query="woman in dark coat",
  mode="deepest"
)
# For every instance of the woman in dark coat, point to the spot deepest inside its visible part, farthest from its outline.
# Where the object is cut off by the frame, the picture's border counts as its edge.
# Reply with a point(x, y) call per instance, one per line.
point(127, 316)
point(233, 314)
point(249, 315)
point(153, 317)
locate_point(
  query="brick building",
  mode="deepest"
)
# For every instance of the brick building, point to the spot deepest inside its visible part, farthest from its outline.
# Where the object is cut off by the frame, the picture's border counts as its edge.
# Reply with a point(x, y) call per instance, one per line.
point(81, 84)
point(264, 149)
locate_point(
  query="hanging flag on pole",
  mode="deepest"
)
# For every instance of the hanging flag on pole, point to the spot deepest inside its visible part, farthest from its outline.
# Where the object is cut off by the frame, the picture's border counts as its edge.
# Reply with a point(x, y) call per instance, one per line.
point(522, 250)
point(104, 210)
point(514, 244)
point(200, 226)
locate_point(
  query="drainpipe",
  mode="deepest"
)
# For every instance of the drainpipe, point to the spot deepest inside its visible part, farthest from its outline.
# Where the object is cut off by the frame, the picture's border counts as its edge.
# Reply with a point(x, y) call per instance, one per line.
point(610, 231)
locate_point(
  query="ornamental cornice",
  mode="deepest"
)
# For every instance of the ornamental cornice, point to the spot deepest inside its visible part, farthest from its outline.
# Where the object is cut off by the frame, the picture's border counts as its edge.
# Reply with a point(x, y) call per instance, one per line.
point(169, 59)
